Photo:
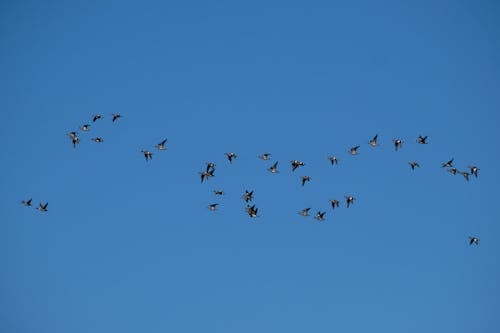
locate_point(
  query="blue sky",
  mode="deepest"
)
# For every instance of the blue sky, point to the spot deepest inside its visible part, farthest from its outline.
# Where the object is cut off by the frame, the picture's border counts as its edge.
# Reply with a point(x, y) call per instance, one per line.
point(129, 245)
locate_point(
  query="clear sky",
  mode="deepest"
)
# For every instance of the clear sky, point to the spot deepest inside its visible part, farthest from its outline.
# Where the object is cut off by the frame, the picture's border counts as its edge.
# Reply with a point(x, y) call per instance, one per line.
point(130, 246)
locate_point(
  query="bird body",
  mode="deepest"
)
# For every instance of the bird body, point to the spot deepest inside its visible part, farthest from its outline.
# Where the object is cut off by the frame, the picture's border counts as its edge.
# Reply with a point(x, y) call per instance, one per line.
point(43, 207)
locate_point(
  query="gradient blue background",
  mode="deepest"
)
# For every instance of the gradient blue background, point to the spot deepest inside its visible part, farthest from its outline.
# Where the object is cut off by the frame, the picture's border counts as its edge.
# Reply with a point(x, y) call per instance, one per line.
point(130, 246)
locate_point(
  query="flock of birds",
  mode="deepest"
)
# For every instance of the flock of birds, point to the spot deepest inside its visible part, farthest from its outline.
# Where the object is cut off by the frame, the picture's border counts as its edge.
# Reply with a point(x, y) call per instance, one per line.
point(252, 210)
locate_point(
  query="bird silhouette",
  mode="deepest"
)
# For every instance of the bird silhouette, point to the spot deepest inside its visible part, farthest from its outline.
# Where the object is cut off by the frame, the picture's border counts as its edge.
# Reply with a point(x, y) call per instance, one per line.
point(26, 203)
point(296, 164)
point(161, 145)
point(333, 160)
point(422, 140)
point(115, 116)
point(247, 196)
point(305, 211)
point(43, 207)
point(414, 165)
point(448, 164)
point(354, 150)
point(230, 156)
point(305, 179)
point(334, 203)
point(320, 216)
point(213, 206)
point(398, 143)
point(252, 210)
point(273, 168)
point(265, 156)
point(349, 200)
point(85, 127)
point(473, 170)
point(96, 117)
point(373, 142)
point(97, 139)
point(147, 154)
point(473, 240)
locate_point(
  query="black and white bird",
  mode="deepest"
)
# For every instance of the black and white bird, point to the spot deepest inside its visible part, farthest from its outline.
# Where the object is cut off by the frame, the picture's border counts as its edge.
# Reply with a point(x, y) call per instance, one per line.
point(473, 240)
point(414, 165)
point(273, 168)
point(85, 127)
point(354, 150)
point(43, 207)
point(247, 196)
point(213, 206)
point(473, 170)
point(96, 117)
point(448, 164)
point(296, 163)
point(398, 143)
point(161, 145)
point(219, 192)
point(252, 210)
point(453, 171)
point(265, 156)
point(97, 139)
point(305, 179)
point(206, 175)
point(230, 156)
point(305, 211)
point(75, 140)
point(320, 216)
point(349, 200)
point(465, 174)
point(373, 142)
point(334, 203)
point(333, 160)
point(147, 154)
point(422, 140)
point(26, 203)
point(210, 166)
point(115, 116)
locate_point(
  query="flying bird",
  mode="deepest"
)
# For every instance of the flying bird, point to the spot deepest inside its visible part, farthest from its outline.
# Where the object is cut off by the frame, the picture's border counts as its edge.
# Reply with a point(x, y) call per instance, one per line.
point(205, 175)
point(219, 192)
point(247, 196)
point(453, 171)
point(448, 164)
point(305, 211)
point(265, 156)
point(354, 150)
point(473, 170)
point(305, 179)
point(161, 145)
point(466, 175)
point(231, 156)
point(210, 166)
point(96, 117)
point(335, 203)
point(320, 216)
point(398, 143)
point(373, 142)
point(97, 139)
point(85, 127)
point(273, 168)
point(414, 165)
point(147, 154)
point(349, 200)
point(115, 116)
point(213, 206)
point(296, 164)
point(422, 140)
point(473, 240)
point(333, 160)
point(26, 203)
point(252, 211)
point(75, 140)
point(42, 207)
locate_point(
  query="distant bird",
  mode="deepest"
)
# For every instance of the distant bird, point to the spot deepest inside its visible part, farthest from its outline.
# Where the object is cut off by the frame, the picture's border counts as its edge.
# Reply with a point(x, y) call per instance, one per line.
point(115, 116)
point(97, 139)
point(448, 164)
point(43, 207)
point(335, 203)
point(218, 192)
point(26, 203)
point(333, 160)
point(252, 211)
point(296, 164)
point(210, 166)
point(473, 170)
point(349, 200)
point(453, 171)
point(320, 216)
point(414, 165)
point(96, 117)
point(373, 141)
point(231, 156)
point(161, 145)
point(398, 143)
point(265, 156)
point(354, 150)
point(205, 175)
point(85, 127)
point(72, 135)
point(147, 154)
point(305, 179)
point(422, 140)
point(473, 240)
point(213, 206)
point(247, 196)
point(75, 141)
point(466, 175)
point(273, 168)
point(305, 211)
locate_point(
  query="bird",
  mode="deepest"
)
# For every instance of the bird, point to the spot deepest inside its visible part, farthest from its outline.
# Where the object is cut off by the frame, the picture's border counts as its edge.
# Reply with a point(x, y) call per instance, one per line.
point(349, 200)
point(115, 116)
point(42, 207)
point(473, 170)
point(465, 174)
point(296, 164)
point(265, 156)
point(448, 164)
point(247, 196)
point(97, 139)
point(354, 150)
point(305, 211)
point(320, 216)
point(85, 127)
point(205, 175)
point(398, 143)
point(161, 145)
point(422, 140)
point(373, 142)
point(231, 156)
point(305, 179)
point(213, 206)
point(75, 140)
point(414, 165)
point(333, 160)
point(335, 203)
point(273, 168)
point(219, 192)
point(210, 166)
point(26, 203)
point(72, 135)
point(96, 117)
point(252, 210)
point(473, 240)
point(147, 154)
point(453, 171)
